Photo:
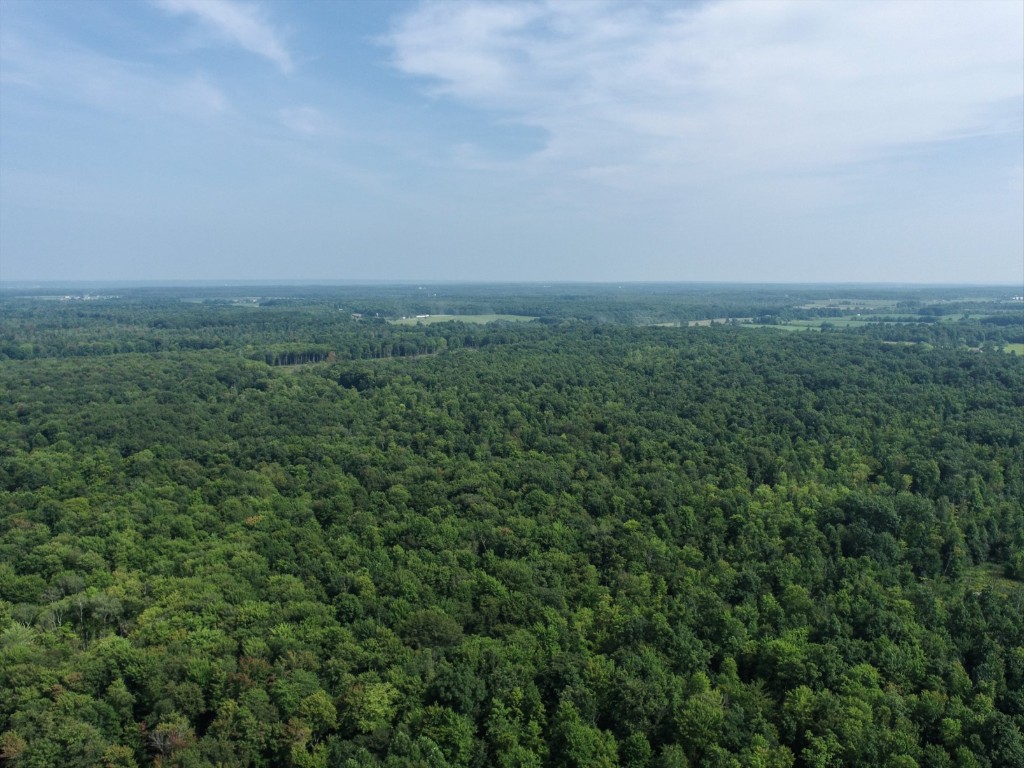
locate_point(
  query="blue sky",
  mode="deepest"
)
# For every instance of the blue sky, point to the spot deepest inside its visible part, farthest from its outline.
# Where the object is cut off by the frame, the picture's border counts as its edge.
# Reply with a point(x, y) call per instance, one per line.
point(593, 141)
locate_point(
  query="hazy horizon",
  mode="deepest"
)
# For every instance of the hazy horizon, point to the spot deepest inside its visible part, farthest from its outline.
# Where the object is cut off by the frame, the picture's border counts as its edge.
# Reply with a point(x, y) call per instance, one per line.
point(404, 283)
point(173, 142)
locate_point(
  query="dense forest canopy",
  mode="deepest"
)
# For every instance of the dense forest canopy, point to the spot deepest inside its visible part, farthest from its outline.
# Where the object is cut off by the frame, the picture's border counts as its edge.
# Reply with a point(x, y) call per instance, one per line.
point(270, 526)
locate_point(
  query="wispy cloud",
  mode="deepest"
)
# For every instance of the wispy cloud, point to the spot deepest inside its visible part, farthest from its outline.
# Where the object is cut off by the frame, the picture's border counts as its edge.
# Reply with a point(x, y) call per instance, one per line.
point(236, 23)
point(304, 120)
point(658, 92)
point(100, 82)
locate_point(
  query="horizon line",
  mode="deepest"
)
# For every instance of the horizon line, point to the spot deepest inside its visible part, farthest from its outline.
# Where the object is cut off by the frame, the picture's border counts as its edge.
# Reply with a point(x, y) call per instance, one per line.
point(21, 284)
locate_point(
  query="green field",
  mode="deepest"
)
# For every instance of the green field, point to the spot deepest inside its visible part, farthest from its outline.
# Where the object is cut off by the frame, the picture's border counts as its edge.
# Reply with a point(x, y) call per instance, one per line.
point(480, 319)
point(815, 324)
point(958, 316)
point(1015, 349)
point(783, 327)
point(850, 304)
point(718, 321)
point(991, 575)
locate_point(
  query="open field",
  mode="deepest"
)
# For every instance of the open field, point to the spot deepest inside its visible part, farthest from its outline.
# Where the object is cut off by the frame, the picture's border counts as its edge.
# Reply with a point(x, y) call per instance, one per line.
point(837, 322)
point(815, 324)
point(850, 304)
point(957, 316)
point(1016, 349)
point(719, 321)
point(480, 319)
point(782, 327)
point(858, 321)
point(990, 575)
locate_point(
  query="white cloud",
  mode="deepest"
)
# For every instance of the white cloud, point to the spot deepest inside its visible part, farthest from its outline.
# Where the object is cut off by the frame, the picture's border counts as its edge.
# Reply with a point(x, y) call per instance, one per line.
point(196, 95)
point(654, 93)
point(107, 84)
point(304, 120)
point(242, 25)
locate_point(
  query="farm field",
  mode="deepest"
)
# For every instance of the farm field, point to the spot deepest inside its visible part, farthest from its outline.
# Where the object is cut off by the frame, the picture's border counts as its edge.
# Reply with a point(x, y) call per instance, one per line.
point(850, 305)
point(868, 320)
point(783, 326)
point(478, 319)
point(719, 321)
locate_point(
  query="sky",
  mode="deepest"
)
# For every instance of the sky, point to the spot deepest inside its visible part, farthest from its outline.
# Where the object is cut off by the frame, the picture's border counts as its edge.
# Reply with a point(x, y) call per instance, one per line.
point(181, 140)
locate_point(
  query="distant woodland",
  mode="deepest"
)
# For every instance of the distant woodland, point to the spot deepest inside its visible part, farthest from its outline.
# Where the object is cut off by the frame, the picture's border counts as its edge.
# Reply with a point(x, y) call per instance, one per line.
point(250, 530)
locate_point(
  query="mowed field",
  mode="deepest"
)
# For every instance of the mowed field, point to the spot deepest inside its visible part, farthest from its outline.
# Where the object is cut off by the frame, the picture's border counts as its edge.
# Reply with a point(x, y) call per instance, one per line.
point(816, 323)
point(429, 319)
point(850, 304)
